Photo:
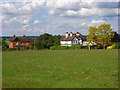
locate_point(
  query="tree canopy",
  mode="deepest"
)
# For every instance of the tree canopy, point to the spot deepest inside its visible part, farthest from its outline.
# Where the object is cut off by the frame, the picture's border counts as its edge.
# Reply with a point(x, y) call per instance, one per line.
point(46, 41)
point(102, 33)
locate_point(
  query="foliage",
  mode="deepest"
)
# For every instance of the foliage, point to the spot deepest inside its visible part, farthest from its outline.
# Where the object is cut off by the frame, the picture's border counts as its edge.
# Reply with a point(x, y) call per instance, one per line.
point(75, 47)
point(31, 47)
point(117, 45)
point(4, 44)
point(60, 69)
point(66, 47)
point(91, 36)
point(102, 33)
point(111, 47)
point(59, 47)
point(46, 41)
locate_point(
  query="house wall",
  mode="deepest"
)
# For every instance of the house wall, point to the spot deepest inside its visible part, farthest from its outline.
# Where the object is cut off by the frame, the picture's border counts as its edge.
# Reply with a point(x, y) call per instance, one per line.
point(66, 43)
point(26, 44)
point(14, 44)
point(80, 41)
point(11, 45)
point(70, 43)
point(75, 41)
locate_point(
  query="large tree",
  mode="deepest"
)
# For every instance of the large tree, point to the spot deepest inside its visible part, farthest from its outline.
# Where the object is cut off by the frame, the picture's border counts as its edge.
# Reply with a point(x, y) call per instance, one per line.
point(46, 41)
point(102, 33)
point(91, 36)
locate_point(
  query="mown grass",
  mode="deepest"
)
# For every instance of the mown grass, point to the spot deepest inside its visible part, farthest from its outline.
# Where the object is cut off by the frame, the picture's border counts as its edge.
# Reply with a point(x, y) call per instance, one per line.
point(60, 69)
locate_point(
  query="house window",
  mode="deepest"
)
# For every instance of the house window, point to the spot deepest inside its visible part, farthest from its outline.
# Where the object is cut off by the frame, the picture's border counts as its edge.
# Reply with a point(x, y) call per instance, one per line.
point(26, 43)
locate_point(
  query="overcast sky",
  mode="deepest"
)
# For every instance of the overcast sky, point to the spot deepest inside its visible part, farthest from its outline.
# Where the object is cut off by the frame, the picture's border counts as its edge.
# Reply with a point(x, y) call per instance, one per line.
point(35, 17)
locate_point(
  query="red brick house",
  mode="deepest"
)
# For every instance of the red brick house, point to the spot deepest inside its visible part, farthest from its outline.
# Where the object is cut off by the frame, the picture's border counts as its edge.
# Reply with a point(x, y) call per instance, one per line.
point(22, 41)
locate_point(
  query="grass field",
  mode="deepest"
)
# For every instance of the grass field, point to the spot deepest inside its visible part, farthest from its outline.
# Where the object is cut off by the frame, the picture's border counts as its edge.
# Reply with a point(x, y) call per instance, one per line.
point(60, 69)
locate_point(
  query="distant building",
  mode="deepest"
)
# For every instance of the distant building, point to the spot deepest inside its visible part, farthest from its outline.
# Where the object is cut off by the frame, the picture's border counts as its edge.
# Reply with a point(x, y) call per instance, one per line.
point(20, 41)
point(71, 39)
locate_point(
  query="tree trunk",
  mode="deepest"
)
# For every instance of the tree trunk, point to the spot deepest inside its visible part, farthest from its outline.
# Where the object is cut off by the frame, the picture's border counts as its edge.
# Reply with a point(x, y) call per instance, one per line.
point(89, 47)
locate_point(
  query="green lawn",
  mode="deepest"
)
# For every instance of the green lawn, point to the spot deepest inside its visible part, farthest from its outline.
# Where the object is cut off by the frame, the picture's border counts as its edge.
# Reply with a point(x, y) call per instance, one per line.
point(60, 69)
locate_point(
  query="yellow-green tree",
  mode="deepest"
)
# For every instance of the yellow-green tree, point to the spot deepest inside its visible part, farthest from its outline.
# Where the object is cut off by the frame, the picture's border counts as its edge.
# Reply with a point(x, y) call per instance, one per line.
point(102, 33)
point(91, 36)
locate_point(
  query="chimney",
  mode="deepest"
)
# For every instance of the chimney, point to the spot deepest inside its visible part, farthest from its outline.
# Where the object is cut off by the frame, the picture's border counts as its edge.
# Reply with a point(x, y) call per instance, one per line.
point(66, 35)
point(77, 33)
point(23, 35)
point(14, 36)
point(71, 34)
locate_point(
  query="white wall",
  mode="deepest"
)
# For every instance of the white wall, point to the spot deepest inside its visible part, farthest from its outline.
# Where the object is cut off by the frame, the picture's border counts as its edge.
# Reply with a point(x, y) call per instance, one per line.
point(65, 43)
point(70, 43)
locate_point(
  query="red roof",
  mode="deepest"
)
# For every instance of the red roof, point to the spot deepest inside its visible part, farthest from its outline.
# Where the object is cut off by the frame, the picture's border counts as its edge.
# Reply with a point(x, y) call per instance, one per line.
point(21, 39)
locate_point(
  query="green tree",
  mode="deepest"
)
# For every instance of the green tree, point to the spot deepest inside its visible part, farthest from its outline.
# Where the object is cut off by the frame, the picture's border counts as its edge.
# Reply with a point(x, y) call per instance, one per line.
point(46, 41)
point(4, 44)
point(102, 33)
point(91, 36)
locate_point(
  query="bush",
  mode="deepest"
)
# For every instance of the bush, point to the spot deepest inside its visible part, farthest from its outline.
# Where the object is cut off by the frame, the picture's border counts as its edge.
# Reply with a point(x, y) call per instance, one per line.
point(75, 47)
point(31, 47)
point(66, 47)
point(113, 46)
point(116, 45)
point(59, 47)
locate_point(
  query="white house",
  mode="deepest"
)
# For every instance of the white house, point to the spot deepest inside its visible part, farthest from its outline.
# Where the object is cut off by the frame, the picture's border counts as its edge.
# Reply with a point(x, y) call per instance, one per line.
point(71, 39)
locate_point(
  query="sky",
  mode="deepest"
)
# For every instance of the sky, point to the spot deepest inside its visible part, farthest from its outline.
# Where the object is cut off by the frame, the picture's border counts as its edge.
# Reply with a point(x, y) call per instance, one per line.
point(36, 17)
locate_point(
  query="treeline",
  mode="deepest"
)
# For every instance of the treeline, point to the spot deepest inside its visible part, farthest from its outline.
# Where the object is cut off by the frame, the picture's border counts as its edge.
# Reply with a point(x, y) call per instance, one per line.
point(45, 41)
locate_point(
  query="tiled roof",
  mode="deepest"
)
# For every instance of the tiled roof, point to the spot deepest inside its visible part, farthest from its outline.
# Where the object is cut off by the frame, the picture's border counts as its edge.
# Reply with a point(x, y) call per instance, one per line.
point(63, 38)
point(21, 39)
point(70, 38)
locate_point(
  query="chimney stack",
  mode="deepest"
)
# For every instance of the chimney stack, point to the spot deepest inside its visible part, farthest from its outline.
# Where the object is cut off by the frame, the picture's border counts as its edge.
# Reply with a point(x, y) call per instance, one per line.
point(66, 35)
point(23, 35)
point(71, 34)
point(14, 36)
point(77, 33)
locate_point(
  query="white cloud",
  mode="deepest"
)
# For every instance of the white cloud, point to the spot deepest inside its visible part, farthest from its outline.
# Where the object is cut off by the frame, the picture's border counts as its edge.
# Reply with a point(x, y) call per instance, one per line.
point(100, 1)
point(96, 22)
point(86, 12)
point(70, 13)
point(26, 21)
point(37, 30)
point(36, 22)
point(83, 24)
point(51, 11)
point(25, 26)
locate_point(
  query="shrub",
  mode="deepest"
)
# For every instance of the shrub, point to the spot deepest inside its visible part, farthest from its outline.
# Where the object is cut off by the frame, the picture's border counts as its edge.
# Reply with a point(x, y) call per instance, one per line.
point(31, 47)
point(66, 47)
point(75, 47)
point(116, 45)
point(111, 47)
point(59, 47)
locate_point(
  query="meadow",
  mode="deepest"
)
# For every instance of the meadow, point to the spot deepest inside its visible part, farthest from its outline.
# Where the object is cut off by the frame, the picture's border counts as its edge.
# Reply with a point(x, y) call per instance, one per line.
point(60, 69)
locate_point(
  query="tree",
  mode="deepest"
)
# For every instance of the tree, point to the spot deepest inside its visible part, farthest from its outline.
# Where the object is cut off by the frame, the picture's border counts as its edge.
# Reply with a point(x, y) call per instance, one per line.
point(4, 44)
point(46, 41)
point(102, 33)
point(91, 36)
